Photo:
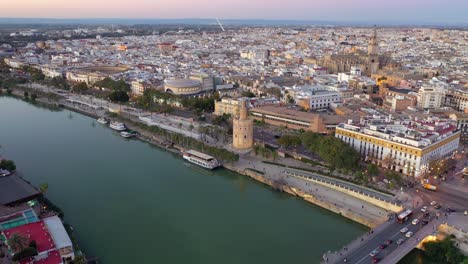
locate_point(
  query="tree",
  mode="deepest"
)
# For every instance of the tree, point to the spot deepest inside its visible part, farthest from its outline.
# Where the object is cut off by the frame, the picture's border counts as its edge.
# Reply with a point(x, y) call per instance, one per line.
point(17, 242)
point(43, 187)
point(7, 165)
point(113, 85)
point(119, 96)
point(247, 94)
point(80, 87)
point(443, 251)
point(289, 140)
point(331, 150)
point(372, 169)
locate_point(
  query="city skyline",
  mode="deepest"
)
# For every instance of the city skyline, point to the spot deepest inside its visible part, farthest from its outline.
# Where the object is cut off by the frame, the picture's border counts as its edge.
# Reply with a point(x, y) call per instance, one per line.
point(416, 11)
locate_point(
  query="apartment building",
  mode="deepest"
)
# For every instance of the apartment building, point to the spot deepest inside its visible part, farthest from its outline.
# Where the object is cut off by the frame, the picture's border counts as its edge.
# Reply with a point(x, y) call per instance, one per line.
point(406, 146)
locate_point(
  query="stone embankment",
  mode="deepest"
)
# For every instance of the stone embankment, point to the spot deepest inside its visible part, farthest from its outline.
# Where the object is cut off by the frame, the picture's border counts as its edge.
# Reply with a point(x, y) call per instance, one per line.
point(352, 215)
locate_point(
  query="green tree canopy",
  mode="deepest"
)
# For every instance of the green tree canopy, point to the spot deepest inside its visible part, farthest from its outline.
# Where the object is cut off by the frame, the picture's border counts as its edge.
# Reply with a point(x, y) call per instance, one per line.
point(332, 150)
point(372, 169)
point(7, 165)
point(247, 94)
point(80, 87)
point(113, 85)
point(289, 140)
point(443, 251)
point(119, 96)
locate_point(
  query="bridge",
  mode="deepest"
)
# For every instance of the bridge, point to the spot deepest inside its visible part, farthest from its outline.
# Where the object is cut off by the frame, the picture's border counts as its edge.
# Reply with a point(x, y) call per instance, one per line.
point(358, 251)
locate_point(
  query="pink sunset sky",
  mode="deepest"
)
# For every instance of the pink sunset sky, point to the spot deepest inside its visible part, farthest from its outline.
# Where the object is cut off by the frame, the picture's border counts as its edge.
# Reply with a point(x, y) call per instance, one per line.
point(337, 10)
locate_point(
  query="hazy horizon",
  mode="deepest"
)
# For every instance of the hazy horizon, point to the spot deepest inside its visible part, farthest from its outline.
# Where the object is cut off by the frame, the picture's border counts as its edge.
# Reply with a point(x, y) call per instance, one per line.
point(364, 11)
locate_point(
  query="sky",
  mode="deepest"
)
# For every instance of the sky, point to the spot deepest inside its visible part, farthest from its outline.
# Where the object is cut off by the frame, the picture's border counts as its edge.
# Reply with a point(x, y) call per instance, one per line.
point(411, 11)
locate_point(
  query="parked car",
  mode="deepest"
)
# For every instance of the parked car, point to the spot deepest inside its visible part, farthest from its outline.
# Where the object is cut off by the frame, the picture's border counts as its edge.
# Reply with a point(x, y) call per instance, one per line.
point(388, 242)
point(400, 241)
point(424, 222)
point(433, 203)
point(382, 246)
point(404, 230)
point(450, 210)
point(437, 206)
point(424, 209)
point(415, 221)
point(409, 234)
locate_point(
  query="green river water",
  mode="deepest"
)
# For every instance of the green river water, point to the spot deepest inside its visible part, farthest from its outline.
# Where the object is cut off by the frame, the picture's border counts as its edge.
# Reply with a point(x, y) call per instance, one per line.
point(130, 202)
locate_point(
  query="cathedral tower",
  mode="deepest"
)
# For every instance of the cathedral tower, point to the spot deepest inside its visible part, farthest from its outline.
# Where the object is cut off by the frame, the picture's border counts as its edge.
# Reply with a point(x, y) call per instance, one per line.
point(373, 54)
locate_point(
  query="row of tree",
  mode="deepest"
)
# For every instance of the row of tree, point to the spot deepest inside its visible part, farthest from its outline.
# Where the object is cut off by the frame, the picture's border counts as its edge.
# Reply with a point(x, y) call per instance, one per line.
point(330, 149)
point(191, 143)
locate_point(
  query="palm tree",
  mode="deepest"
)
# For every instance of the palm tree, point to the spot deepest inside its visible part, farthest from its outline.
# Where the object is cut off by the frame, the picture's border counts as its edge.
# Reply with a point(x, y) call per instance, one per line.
point(43, 187)
point(17, 242)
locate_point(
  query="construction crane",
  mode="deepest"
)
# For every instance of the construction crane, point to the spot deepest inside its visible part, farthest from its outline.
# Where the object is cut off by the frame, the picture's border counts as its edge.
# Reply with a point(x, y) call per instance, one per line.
point(220, 25)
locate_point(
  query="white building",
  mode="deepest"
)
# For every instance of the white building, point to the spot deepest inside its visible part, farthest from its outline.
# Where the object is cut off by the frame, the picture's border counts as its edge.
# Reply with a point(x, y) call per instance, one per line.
point(60, 236)
point(405, 146)
point(430, 97)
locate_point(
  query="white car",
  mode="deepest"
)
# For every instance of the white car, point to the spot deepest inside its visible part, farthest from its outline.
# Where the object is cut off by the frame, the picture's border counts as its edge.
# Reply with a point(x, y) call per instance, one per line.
point(433, 203)
point(409, 234)
point(415, 221)
point(374, 253)
point(400, 241)
point(424, 209)
point(404, 230)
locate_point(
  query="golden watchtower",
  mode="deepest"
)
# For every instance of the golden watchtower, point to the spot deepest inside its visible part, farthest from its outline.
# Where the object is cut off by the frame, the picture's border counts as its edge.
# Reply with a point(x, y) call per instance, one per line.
point(242, 132)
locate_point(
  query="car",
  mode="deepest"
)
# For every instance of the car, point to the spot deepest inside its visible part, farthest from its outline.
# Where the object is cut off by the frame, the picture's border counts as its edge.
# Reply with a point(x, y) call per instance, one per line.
point(450, 210)
point(415, 221)
point(404, 230)
point(400, 241)
point(409, 234)
point(374, 253)
point(433, 203)
point(426, 214)
point(375, 260)
point(388, 242)
point(424, 222)
point(424, 209)
point(437, 206)
point(382, 246)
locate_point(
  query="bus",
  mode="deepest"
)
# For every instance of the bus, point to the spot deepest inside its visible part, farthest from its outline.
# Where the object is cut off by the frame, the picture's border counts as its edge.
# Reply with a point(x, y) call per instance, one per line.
point(404, 216)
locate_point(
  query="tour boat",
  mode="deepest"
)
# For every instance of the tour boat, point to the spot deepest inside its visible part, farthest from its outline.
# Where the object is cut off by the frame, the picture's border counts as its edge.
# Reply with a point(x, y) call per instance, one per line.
point(128, 134)
point(117, 126)
point(201, 159)
point(102, 120)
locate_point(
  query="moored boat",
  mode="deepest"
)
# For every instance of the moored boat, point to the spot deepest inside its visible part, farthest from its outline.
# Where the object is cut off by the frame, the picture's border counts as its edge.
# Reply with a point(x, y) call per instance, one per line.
point(201, 159)
point(128, 134)
point(117, 126)
point(102, 120)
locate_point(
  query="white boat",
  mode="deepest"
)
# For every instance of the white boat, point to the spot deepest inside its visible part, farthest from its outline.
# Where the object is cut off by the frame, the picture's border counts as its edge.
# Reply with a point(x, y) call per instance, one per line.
point(201, 159)
point(117, 126)
point(102, 120)
point(127, 134)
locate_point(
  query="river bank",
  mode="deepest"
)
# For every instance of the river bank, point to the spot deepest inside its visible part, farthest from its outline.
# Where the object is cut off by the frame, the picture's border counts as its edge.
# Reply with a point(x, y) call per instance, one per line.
point(151, 138)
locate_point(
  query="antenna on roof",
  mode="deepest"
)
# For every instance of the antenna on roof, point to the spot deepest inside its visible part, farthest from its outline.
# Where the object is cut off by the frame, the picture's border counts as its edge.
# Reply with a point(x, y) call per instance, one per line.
point(220, 25)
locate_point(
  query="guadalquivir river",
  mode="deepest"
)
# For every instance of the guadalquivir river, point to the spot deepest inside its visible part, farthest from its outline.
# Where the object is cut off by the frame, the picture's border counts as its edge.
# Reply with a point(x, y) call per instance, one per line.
point(130, 202)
